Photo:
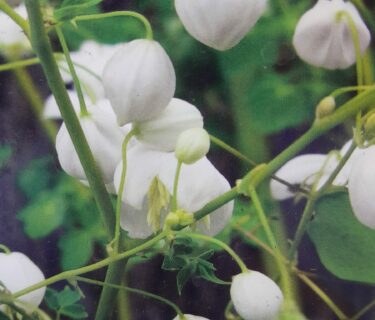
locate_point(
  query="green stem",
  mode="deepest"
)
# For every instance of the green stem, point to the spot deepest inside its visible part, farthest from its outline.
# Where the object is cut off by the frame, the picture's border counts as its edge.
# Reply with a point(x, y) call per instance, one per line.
point(174, 204)
point(146, 23)
point(44, 52)
point(340, 91)
point(121, 188)
point(5, 249)
point(7, 9)
point(9, 302)
point(18, 64)
point(72, 70)
point(286, 282)
point(36, 102)
point(220, 244)
point(309, 208)
point(95, 266)
point(363, 311)
point(132, 290)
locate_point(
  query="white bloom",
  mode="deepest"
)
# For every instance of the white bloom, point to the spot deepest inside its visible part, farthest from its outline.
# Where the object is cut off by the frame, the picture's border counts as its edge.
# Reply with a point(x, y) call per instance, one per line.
point(190, 317)
point(18, 272)
point(139, 80)
point(323, 40)
point(198, 184)
point(255, 296)
point(11, 34)
point(362, 187)
point(104, 138)
point(89, 62)
point(192, 145)
point(220, 24)
point(162, 131)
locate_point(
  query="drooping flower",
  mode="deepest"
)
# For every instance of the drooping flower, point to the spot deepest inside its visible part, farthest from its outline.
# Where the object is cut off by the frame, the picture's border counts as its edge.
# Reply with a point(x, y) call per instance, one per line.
point(149, 169)
point(11, 34)
point(220, 24)
point(255, 296)
point(361, 187)
point(104, 138)
point(324, 39)
point(18, 272)
point(139, 80)
point(192, 145)
point(190, 317)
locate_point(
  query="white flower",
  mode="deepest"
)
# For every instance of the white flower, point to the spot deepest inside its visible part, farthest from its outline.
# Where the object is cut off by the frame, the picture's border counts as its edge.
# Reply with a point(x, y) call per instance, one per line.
point(192, 145)
point(190, 317)
point(198, 184)
point(162, 131)
point(11, 34)
point(139, 80)
point(255, 296)
point(89, 62)
point(18, 272)
point(362, 187)
point(104, 138)
point(324, 40)
point(220, 24)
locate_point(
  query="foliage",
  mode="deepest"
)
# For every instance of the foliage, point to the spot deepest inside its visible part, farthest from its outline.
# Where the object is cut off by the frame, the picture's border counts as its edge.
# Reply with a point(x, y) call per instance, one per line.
point(5, 155)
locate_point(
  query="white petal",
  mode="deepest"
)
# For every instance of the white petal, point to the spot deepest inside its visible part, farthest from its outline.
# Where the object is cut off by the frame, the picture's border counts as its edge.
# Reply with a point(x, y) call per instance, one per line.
point(18, 272)
point(220, 24)
point(105, 140)
point(139, 80)
point(300, 169)
point(321, 40)
point(162, 131)
point(190, 317)
point(362, 187)
point(51, 109)
point(255, 296)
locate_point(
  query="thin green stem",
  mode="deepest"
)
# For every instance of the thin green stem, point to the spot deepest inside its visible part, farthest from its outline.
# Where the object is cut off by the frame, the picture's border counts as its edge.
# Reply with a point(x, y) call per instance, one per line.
point(363, 311)
point(141, 18)
point(174, 204)
point(121, 188)
point(77, 84)
point(132, 290)
point(10, 303)
point(92, 267)
point(18, 64)
point(343, 90)
point(220, 244)
point(7, 9)
point(5, 249)
point(286, 282)
point(43, 49)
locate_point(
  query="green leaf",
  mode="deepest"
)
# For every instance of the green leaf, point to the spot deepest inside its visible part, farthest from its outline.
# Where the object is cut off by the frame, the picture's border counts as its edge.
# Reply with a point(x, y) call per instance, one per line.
point(183, 276)
point(74, 311)
point(68, 297)
point(76, 249)
point(207, 272)
point(51, 299)
point(5, 154)
point(44, 215)
point(3, 316)
point(173, 263)
point(72, 8)
point(345, 246)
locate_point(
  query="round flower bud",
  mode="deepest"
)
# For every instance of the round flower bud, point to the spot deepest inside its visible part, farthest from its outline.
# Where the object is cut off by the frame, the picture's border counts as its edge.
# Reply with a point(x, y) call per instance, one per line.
point(104, 138)
point(192, 145)
point(18, 272)
point(161, 132)
point(323, 37)
point(361, 187)
point(255, 296)
point(220, 24)
point(190, 317)
point(139, 80)
point(325, 107)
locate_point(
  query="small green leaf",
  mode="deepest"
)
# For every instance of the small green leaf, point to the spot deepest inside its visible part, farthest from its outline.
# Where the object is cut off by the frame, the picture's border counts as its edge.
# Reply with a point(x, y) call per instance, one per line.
point(173, 263)
point(209, 275)
point(74, 311)
point(72, 8)
point(68, 297)
point(76, 249)
point(183, 276)
point(3, 316)
point(345, 246)
point(44, 215)
point(5, 154)
point(51, 299)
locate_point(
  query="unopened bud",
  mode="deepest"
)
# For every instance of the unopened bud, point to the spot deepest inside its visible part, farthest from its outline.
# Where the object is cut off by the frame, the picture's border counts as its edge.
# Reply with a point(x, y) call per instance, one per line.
point(325, 107)
point(370, 127)
point(192, 145)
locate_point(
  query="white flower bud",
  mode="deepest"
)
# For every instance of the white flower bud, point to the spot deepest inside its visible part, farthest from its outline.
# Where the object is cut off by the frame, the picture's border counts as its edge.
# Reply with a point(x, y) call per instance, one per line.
point(139, 80)
point(190, 317)
point(362, 185)
point(192, 145)
point(325, 40)
point(18, 272)
point(162, 131)
point(325, 107)
point(220, 24)
point(255, 296)
point(104, 138)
